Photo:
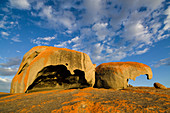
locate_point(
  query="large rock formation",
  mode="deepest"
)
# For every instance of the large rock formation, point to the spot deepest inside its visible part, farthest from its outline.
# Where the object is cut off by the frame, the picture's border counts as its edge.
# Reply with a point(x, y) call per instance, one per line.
point(116, 74)
point(45, 68)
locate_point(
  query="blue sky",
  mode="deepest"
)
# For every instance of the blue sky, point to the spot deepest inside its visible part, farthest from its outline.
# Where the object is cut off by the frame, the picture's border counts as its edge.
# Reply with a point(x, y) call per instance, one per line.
point(107, 30)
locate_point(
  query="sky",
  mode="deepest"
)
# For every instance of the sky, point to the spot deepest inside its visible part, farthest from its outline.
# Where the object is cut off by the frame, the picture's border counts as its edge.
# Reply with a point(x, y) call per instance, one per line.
point(106, 30)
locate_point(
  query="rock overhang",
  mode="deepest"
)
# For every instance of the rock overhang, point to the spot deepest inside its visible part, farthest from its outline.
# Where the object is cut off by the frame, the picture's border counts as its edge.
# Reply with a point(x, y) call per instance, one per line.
point(40, 57)
point(116, 74)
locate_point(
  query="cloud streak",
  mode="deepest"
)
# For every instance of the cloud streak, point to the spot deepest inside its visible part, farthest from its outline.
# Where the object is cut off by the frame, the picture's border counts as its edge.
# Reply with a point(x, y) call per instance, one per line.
point(162, 62)
point(11, 62)
point(4, 33)
point(10, 67)
point(42, 41)
point(8, 71)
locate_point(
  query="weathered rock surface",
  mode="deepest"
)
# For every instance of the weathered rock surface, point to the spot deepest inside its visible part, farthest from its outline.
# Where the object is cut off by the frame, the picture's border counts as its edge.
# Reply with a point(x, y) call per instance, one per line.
point(116, 74)
point(45, 68)
point(88, 100)
point(159, 86)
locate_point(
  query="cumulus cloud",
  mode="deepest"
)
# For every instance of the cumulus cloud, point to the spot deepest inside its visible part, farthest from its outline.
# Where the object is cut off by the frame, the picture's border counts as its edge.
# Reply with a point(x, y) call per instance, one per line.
point(20, 4)
point(42, 41)
point(101, 31)
point(162, 62)
point(104, 29)
point(112, 30)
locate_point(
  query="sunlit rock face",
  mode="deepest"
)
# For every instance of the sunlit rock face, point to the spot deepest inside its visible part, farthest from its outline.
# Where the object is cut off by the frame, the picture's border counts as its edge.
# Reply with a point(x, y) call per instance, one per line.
point(46, 68)
point(116, 74)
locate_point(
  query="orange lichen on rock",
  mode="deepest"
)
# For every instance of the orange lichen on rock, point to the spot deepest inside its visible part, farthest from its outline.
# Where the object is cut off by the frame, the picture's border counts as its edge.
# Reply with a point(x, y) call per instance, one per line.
point(83, 107)
point(89, 100)
point(75, 100)
point(82, 94)
point(38, 60)
point(116, 74)
point(67, 91)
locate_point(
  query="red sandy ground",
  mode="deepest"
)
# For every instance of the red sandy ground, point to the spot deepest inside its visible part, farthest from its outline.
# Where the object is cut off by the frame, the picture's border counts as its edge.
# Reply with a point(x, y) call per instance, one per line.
point(89, 100)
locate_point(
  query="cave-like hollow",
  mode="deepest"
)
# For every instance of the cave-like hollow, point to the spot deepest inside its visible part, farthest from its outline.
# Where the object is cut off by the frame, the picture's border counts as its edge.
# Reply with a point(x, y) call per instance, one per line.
point(58, 77)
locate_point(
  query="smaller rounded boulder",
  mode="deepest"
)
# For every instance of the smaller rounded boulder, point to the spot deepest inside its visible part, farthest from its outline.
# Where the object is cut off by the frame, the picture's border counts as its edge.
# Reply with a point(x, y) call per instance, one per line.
point(116, 74)
point(159, 86)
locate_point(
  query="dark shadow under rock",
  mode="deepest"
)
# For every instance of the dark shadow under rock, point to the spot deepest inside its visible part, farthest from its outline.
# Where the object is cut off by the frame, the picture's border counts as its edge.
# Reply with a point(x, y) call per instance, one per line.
point(58, 77)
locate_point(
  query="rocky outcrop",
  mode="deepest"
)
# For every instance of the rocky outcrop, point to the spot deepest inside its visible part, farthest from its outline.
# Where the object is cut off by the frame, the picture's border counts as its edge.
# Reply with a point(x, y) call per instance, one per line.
point(116, 74)
point(45, 68)
point(88, 100)
point(159, 86)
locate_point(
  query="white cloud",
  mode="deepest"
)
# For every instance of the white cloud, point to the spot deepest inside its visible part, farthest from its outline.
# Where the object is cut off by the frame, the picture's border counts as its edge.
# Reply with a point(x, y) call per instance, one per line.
point(4, 33)
point(16, 39)
point(101, 31)
point(165, 61)
point(18, 51)
point(8, 71)
point(39, 5)
point(39, 43)
point(93, 9)
point(5, 84)
point(42, 41)
point(10, 67)
point(20, 4)
point(65, 44)
point(5, 23)
point(74, 40)
point(109, 50)
point(46, 38)
point(11, 62)
point(98, 48)
point(5, 80)
point(47, 13)
point(108, 30)
point(167, 21)
point(54, 18)
point(142, 51)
